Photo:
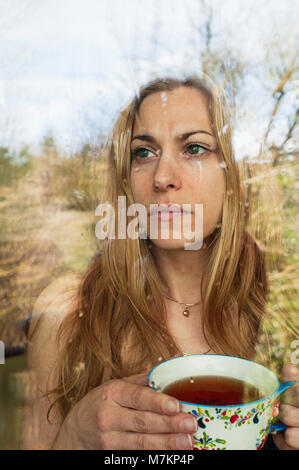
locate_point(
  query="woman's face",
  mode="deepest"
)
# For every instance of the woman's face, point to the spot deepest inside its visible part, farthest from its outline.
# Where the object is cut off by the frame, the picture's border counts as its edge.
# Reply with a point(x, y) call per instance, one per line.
point(175, 161)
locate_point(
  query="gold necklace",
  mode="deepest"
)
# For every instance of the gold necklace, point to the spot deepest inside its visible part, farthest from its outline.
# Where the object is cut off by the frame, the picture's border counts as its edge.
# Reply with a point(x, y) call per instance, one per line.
point(187, 354)
point(186, 311)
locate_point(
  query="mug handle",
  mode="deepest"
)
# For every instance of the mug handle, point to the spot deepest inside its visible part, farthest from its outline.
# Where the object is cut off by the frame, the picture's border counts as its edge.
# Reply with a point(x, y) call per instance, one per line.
point(274, 428)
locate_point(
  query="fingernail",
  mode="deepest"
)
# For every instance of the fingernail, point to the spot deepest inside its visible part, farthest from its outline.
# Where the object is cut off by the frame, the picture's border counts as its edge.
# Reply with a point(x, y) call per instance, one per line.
point(171, 406)
point(189, 425)
point(184, 442)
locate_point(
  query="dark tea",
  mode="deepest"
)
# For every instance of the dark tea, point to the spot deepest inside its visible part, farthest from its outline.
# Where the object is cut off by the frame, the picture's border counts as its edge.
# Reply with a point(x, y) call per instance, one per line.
point(214, 390)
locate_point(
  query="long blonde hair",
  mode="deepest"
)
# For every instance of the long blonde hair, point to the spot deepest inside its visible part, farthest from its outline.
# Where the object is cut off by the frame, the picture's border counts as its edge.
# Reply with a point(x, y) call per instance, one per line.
point(112, 328)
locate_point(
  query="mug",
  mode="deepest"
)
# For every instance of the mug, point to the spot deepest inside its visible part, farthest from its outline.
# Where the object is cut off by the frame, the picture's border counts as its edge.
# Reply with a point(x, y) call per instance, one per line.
point(238, 427)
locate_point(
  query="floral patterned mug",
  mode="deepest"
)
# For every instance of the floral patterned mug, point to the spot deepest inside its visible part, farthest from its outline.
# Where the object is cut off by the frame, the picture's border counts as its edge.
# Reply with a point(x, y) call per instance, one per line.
point(238, 427)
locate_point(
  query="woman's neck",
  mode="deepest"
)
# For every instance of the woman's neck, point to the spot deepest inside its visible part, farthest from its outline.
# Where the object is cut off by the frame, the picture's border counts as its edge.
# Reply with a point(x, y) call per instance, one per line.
point(181, 272)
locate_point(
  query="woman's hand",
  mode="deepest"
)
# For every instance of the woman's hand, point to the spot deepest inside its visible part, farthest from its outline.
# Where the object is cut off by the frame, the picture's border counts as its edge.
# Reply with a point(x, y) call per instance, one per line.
point(289, 412)
point(127, 414)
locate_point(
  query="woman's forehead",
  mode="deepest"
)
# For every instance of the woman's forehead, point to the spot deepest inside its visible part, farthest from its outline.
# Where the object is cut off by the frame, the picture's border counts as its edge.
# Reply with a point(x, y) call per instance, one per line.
point(182, 108)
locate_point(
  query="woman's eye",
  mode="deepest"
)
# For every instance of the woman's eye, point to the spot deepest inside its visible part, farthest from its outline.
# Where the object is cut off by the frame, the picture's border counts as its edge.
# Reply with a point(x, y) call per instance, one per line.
point(142, 153)
point(196, 149)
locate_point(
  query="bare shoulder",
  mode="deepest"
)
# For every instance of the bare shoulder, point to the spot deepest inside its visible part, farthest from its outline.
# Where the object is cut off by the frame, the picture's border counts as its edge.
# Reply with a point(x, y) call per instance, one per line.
point(57, 293)
point(50, 308)
point(54, 303)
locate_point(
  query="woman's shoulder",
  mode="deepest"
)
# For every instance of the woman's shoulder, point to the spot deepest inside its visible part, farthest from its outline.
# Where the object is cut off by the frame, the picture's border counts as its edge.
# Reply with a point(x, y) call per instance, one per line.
point(43, 353)
point(54, 302)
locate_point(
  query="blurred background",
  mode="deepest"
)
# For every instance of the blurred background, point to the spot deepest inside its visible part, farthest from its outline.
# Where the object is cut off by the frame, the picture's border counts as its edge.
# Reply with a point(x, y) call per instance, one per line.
point(67, 67)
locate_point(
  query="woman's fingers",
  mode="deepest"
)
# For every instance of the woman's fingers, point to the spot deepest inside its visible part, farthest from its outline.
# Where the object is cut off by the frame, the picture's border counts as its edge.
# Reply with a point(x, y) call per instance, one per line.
point(287, 440)
point(138, 417)
point(138, 397)
point(289, 415)
point(138, 379)
point(146, 422)
point(139, 441)
point(289, 374)
point(289, 411)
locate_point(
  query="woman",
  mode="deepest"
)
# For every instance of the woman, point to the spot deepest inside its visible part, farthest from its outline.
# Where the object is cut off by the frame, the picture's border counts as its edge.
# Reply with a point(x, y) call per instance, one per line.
point(146, 299)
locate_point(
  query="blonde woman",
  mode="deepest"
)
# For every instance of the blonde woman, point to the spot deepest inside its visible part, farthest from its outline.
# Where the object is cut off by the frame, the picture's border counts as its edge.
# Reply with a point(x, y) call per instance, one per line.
point(146, 299)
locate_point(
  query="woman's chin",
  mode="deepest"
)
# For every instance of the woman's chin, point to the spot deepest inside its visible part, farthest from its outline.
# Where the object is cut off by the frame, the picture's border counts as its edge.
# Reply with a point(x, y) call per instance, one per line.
point(177, 244)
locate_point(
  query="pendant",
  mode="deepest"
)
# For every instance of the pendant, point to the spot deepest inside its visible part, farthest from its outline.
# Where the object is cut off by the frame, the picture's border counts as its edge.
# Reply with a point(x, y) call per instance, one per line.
point(186, 313)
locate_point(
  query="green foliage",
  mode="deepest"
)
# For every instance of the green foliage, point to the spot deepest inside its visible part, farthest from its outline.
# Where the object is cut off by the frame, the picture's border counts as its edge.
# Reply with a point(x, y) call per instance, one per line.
point(73, 182)
point(13, 166)
point(281, 325)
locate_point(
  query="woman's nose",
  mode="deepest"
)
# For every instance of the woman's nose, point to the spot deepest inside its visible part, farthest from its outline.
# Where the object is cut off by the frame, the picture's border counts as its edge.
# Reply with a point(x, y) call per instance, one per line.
point(167, 175)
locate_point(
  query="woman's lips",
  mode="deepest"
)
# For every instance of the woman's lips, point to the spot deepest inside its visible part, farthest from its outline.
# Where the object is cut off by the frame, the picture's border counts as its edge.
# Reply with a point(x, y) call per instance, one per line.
point(168, 211)
point(169, 215)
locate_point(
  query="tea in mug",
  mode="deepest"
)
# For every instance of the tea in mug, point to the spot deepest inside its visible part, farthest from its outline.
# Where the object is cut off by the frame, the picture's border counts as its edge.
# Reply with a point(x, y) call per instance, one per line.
point(214, 390)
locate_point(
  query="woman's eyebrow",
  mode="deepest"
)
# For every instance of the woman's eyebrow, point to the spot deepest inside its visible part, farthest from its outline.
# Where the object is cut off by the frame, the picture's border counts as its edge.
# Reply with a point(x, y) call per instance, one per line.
point(181, 137)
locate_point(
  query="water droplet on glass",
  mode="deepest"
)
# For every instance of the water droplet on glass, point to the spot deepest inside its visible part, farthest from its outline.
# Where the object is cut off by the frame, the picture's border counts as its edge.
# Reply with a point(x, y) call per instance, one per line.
point(77, 194)
point(199, 164)
point(290, 147)
point(223, 130)
point(81, 366)
point(164, 98)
